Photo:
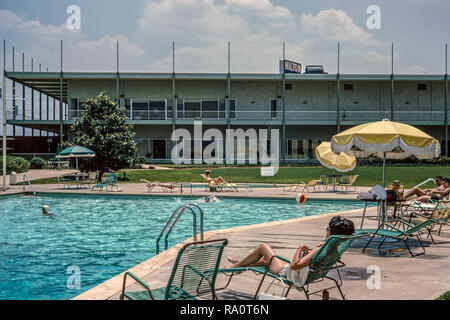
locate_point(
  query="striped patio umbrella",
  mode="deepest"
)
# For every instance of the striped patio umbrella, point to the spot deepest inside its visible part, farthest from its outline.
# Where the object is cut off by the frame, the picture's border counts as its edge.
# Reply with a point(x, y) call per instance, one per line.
point(76, 152)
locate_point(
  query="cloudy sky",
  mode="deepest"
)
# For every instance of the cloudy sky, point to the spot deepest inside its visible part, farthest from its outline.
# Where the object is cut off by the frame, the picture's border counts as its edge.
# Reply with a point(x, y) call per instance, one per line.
point(201, 30)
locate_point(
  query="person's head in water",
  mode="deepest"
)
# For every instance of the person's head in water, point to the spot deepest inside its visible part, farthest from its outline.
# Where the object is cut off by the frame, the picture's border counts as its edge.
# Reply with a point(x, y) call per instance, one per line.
point(45, 210)
point(207, 199)
point(340, 226)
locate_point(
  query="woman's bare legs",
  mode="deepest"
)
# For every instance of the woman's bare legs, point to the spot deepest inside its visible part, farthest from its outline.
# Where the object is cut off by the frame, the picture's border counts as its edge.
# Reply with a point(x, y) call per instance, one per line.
point(415, 191)
point(259, 256)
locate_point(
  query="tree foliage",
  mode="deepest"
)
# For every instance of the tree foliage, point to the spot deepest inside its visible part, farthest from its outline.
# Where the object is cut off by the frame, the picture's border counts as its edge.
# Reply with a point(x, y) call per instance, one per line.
point(103, 129)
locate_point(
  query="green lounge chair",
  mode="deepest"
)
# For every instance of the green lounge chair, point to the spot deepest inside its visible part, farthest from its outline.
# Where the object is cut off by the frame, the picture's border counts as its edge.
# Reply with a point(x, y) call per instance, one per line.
point(111, 181)
point(326, 259)
point(403, 235)
point(194, 274)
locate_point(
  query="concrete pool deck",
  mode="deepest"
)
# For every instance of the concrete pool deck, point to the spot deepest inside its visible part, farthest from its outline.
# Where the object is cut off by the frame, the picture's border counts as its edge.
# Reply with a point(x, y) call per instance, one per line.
point(401, 276)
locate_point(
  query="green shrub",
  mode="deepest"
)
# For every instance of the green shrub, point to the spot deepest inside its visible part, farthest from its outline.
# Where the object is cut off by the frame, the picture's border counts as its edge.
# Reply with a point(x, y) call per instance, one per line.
point(16, 164)
point(38, 163)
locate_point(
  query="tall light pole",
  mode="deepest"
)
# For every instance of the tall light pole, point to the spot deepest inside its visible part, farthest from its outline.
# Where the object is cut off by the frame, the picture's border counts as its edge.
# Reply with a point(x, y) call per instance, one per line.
point(4, 115)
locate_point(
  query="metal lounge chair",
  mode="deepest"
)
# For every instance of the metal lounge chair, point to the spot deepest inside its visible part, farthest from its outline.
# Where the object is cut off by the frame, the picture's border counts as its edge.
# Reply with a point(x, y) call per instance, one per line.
point(326, 259)
point(111, 181)
point(347, 183)
point(305, 186)
point(193, 274)
point(212, 185)
point(440, 216)
point(403, 235)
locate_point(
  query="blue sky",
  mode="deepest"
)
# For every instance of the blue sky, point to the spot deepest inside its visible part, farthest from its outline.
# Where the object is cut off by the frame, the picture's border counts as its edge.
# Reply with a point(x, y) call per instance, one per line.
point(256, 29)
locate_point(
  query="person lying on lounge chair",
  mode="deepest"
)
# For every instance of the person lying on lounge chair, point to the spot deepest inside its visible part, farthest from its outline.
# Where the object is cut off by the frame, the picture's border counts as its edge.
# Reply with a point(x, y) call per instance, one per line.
point(296, 271)
point(436, 194)
point(208, 178)
point(420, 193)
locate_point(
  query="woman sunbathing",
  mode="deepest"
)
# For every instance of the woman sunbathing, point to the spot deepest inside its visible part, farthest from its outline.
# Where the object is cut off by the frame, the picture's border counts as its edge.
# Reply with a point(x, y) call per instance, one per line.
point(436, 194)
point(209, 179)
point(416, 191)
point(296, 271)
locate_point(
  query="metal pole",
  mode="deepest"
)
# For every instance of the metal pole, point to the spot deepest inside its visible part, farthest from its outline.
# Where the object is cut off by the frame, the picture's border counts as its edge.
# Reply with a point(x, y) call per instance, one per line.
point(174, 100)
point(117, 72)
point(384, 169)
point(392, 82)
point(283, 92)
point(32, 100)
point(4, 115)
point(338, 90)
point(61, 100)
point(14, 94)
point(40, 104)
point(446, 104)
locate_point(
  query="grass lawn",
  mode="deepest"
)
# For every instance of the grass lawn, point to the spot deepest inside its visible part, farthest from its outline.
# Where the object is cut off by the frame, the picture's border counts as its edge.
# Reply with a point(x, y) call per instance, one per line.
point(368, 176)
point(445, 296)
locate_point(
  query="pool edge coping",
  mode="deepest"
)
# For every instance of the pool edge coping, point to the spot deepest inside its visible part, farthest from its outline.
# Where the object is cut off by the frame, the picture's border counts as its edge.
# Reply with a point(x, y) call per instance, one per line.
point(112, 286)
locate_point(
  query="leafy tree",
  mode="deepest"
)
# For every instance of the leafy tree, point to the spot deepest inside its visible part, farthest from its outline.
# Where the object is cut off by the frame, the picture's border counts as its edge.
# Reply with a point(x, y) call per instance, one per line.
point(104, 130)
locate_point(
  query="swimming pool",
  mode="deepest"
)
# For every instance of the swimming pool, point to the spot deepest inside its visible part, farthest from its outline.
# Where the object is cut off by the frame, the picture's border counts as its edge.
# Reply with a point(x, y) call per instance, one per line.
point(104, 235)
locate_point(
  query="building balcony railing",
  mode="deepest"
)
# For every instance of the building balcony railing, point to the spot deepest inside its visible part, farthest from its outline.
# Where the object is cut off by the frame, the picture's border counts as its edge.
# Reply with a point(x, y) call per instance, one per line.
point(252, 115)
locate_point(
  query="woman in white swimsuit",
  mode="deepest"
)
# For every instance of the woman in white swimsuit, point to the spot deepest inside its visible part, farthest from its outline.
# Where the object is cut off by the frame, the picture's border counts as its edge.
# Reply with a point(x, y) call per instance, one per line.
point(296, 271)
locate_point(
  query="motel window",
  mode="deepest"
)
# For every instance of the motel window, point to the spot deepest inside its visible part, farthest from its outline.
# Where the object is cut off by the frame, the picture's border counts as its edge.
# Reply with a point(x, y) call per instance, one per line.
point(157, 110)
point(273, 108)
point(232, 109)
point(128, 107)
point(192, 109)
point(348, 86)
point(221, 109)
point(421, 86)
point(180, 109)
point(140, 109)
point(210, 109)
point(169, 109)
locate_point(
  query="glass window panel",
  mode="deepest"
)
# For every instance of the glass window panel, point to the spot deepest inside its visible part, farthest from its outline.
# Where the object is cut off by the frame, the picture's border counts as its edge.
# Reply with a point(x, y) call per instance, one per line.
point(210, 109)
point(221, 109)
point(191, 109)
point(157, 110)
point(169, 109)
point(140, 109)
point(180, 109)
point(232, 109)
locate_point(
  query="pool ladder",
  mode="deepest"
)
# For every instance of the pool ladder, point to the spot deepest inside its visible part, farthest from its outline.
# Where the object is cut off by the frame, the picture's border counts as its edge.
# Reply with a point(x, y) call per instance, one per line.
point(29, 183)
point(192, 208)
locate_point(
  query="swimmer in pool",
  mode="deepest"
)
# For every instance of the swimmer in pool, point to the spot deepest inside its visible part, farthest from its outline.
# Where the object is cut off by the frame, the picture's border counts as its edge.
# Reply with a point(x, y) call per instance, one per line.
point(209, 199)
point(45, 211)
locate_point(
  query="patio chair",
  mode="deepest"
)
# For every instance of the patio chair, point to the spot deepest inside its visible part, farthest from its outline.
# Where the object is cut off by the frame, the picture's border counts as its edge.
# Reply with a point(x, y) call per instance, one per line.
point(440, 216)
point(65, 181)
point(326, 259)
point(305, 186)
point(410, 231)
point(165, 187)
point(111, 181)
point(193, 274)
point(347, 182)
point(92, 177)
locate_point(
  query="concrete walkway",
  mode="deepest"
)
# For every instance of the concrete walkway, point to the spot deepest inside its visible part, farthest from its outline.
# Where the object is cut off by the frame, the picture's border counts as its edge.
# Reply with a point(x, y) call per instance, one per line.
point(400, 275)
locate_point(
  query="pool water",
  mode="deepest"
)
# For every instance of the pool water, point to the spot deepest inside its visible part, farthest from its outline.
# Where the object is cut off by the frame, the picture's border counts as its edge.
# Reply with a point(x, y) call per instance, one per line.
point(102, 235)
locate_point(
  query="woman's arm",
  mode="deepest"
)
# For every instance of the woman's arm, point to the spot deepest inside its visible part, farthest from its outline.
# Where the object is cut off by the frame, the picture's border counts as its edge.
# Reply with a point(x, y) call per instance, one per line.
point(298, 262)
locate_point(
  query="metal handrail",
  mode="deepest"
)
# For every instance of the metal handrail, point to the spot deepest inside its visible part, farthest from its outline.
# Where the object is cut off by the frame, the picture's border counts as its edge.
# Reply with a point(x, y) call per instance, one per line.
point(29, 183)
point(175, 217)
point(428, 180)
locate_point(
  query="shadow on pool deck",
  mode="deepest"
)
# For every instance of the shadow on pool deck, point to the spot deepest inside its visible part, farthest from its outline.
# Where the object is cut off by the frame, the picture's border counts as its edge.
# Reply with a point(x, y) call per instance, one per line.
point(401, 276)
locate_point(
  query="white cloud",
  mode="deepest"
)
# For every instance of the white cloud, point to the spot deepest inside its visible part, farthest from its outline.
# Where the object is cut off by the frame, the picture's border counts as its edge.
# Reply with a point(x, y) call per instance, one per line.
point(336, 25)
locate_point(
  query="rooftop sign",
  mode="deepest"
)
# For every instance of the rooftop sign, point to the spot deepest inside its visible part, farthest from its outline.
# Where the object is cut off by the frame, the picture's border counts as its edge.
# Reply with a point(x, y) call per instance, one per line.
point(287, 66)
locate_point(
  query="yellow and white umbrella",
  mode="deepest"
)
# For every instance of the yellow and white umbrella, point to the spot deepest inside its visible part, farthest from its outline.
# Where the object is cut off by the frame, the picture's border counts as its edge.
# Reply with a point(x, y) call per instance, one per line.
point(387, 140)
point(340, 162)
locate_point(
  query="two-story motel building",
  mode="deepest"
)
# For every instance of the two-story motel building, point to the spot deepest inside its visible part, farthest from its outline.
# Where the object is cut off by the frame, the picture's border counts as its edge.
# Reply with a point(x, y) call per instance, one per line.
point(306, 108)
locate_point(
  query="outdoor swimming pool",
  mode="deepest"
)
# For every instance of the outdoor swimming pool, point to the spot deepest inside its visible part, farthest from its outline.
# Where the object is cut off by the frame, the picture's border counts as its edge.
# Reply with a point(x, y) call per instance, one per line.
point(104, 235)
